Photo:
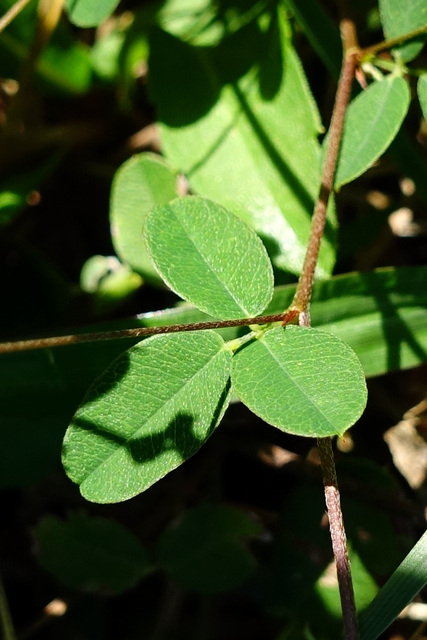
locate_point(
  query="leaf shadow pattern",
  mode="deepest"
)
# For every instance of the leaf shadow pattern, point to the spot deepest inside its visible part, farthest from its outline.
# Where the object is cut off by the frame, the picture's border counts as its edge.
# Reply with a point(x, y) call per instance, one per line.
point(397, 333)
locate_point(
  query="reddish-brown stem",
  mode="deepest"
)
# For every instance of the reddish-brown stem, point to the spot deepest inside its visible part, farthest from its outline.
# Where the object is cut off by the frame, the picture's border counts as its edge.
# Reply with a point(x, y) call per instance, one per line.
point(140, 332)
point(302, 297)
point(393, 42)
point(338, 538)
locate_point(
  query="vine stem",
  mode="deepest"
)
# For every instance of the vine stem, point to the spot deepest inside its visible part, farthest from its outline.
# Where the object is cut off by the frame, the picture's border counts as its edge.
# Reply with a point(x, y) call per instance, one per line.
point(301, 302)
point(8, 631)
point(141, 332)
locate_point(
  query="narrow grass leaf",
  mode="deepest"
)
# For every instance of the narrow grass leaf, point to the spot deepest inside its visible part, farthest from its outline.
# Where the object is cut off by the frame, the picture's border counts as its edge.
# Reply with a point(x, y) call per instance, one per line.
point(405, 583)
point(141, 183)
point(399, 18)
point(151, 410)
point(210, 257)
point(89, 13)
point(91, 554)
point(302, 381)
point(372, 121)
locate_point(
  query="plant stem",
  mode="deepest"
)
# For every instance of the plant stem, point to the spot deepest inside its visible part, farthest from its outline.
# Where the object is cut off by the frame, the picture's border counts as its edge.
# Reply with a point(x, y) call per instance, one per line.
point(338, 538)
point(301, 302)
point(389, 44)
point(302, 297)
point(14, 10)
point(141, 332)
point(8, 631)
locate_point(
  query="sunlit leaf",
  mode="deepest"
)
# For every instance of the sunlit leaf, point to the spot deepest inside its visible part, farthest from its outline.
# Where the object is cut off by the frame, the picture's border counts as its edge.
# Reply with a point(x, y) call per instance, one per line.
point(210, 257)
point(399, 18)
point(222, 125)
point(372, 121)
point(422, 93)
point(204, 551)
point(151, 410)
point(91, 553)
point(141, 183)
point(303, 381)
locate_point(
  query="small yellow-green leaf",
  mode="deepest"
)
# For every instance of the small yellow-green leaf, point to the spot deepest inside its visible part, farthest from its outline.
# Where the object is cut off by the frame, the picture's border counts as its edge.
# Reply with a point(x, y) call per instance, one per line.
point(152, 409)
point(302, 381)
point(372, 122)
point(210, 257)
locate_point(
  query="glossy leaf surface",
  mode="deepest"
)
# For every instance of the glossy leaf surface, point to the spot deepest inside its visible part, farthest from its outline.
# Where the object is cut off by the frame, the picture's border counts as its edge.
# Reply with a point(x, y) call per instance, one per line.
point(89, 13)
point(91, 553)
point(399, 18)
point(303, 381)
point(206, 552)
point(222, 125)
point(141, 183)
point(372, 121)
point(151, 410)
point(210, 257)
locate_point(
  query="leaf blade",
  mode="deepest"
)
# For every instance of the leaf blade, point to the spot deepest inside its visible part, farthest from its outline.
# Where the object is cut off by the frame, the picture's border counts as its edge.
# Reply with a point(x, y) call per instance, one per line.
point(282, 378)
point(399, 18)
point(135, 426)
point(210, 257)
point(372, 121)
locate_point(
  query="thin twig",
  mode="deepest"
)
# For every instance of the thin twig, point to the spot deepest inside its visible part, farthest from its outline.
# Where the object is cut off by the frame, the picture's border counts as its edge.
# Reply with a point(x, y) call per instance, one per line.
point(11, 14)
point(140, 332)
point(338, 538)
point(392, 42)
point(302, 296)
point(6, 624)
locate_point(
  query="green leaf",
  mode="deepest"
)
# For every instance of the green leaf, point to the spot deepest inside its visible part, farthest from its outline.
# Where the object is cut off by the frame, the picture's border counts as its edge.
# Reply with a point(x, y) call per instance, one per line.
point(405, 583)
point(399, 18)
point(380, 314)
point(222, 125)
point(151, 410)
point(89, 13)
point(372, 122)
point(205, 551)
point(422, 93)
point(320, 30)
point(141, 183)
point(91, 553)
point(210, 257)
point(302, 381)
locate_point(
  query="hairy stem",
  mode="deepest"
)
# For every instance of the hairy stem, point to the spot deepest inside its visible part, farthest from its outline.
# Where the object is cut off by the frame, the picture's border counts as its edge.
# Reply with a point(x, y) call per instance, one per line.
point(301, 302)
point(393, 42)
point(140, 332)
point(338, 538)
point(302, 296)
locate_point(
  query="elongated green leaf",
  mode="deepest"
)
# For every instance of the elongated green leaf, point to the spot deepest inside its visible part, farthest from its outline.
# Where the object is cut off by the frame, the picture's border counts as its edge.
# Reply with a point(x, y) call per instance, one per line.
point(303, 381)
point(91, 553)
point(408, 580)
point(141, 183)
point(399, 18)
point(204, 551)
point(151, 410)
point(422, 93)
point(372, 121)
point(89, 13)
point(210, 257)
point(221, 123)
point(322, 33)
